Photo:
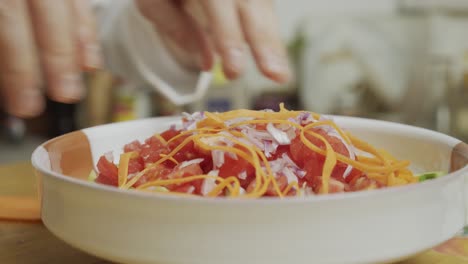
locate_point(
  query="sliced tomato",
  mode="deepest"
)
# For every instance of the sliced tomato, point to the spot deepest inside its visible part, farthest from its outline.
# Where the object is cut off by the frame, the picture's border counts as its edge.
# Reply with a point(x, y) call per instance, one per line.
point(301, 154)
point(282, 182)
point(142, 180)
point(106, 180)
point(157, 172)
point(187, 171)
point(313, 162)
point(261, 126)
point(154, 142)
point(280, 151)
point(292, 192)
point(136, 165)
point(234, 167)
point(313, 169)
point(336, 186)
point(133, 146)
point(170, 133)
point(190, 170)
point(251, 186)
point(187, 152)
point(152, 149)
point(315, 183)
point(353, 176)
point(107, 169)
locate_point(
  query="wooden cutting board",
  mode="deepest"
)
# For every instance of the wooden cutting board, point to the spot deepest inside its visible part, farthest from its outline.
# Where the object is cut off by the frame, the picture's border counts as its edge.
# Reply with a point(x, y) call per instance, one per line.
point(31, 242)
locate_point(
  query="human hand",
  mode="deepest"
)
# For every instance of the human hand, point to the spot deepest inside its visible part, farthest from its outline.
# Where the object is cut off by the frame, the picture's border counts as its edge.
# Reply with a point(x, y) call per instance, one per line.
point(194, 30)
point(44, 39)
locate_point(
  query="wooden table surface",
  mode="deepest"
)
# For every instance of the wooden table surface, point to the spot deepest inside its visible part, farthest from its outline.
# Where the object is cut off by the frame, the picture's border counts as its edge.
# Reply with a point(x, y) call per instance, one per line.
point(32, 243)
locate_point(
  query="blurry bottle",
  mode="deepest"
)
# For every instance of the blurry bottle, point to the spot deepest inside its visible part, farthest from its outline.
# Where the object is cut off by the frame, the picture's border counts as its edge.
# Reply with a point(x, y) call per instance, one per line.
point(61, 118)
point(459, 104)
point(96, 108)
point(441, 83)
point(130, 103)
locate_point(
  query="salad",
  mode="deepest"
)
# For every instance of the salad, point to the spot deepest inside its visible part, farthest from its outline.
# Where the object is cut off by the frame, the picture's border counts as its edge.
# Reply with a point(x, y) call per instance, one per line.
point(252, 154)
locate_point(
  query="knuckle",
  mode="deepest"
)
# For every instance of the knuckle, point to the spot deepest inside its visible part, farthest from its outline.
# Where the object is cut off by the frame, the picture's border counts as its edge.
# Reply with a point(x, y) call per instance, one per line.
point(8, 10)
point(60, 61)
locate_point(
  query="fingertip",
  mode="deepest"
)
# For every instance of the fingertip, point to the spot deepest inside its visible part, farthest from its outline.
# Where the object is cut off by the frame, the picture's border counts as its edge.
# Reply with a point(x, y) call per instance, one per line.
point(67, 88)
point(25, 103)
point(92, 58)
point(280, 77)
point(274, 67)
point(233, 62)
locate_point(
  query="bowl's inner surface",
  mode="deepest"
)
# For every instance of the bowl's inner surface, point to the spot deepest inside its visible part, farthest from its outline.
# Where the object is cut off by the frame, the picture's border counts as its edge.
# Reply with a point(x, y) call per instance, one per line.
point(70, 155)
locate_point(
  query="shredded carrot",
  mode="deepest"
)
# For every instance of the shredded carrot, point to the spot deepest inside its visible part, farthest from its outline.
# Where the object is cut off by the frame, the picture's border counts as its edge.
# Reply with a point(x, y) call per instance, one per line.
point(158, 136)
point(378, 165)
point(123, 166)
point(169, 158)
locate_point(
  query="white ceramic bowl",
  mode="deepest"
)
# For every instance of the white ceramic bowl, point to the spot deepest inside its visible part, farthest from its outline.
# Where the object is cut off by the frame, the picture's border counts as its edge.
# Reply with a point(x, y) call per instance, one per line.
point(365, 227)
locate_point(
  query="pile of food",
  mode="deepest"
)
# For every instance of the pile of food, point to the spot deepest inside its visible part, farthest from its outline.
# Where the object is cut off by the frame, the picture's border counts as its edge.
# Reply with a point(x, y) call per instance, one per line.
point(252, 154)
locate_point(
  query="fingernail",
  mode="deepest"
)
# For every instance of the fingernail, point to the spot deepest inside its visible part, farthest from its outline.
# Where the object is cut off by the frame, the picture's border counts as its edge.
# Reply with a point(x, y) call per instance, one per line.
point(92, 57)
point(25, 103)
point(68, 88)
point(276, 66)
point(233, 62)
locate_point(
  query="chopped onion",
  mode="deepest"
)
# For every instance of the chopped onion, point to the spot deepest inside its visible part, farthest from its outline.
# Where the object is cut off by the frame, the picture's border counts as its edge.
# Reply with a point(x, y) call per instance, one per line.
point(308, 191)
point(237, 120)
point(288, 160)
point(291, 133)
point(290, 175)
point(212, 141)
point(232, 155)
point(218, 158)
point(280, 136)
point(269, 148)
point(300, 173)
point(293, 120)
point(109, 156)
point(189, 121)
point(207, 186)
point(348, 170)
point(213, 172)
point(253, 140)
point(158, 188)
point(256, 137)
point(242, 175)
point(242, 190)
point(224, 138)
point(325, 118)
point(191, 189)
point(190, 162)
point(305, 118)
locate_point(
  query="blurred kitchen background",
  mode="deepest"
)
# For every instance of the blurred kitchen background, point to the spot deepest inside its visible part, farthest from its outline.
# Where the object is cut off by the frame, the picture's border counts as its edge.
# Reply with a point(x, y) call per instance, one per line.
point(399, 60)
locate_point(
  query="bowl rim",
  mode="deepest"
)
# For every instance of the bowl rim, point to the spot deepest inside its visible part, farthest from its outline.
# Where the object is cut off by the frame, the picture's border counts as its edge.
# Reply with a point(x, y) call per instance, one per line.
point(451, 176)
